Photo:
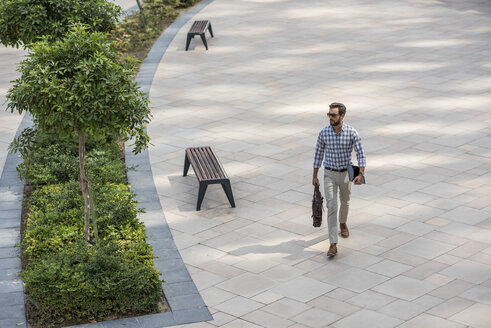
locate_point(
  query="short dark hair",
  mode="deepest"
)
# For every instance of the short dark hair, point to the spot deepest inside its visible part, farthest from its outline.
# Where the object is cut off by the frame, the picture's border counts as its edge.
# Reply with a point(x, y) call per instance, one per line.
point(341, 108)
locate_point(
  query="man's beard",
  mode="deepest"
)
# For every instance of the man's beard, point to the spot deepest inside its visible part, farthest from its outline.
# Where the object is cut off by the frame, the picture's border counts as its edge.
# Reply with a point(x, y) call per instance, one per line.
point(336, 123)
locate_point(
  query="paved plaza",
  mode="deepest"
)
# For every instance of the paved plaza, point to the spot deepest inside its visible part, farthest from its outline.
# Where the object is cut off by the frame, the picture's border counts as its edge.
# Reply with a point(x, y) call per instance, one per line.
point(416, 79)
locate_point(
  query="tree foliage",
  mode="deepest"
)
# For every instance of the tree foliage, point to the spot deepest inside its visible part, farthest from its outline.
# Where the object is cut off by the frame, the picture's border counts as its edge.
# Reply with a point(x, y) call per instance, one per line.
point(81, 83)
point(24, 21)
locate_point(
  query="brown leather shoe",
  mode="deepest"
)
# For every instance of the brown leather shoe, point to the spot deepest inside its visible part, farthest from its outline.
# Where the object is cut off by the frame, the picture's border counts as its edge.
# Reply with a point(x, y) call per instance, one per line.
point(344, 230)
point(333, 250)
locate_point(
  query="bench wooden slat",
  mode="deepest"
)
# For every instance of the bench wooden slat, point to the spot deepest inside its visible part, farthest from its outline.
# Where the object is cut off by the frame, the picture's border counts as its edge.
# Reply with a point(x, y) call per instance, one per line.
point(213, 174)
point(216, 163)
point(205, 166)
point(196, 167)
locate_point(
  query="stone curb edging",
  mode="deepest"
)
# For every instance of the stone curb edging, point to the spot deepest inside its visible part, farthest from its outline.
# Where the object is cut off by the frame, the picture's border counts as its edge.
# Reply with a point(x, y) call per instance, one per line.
point(12, 308)
point(183, 297)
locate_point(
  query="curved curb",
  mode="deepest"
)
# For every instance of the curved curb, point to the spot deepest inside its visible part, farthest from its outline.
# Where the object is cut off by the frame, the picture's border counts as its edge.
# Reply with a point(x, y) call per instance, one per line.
point(183, 297)
point(12, 308)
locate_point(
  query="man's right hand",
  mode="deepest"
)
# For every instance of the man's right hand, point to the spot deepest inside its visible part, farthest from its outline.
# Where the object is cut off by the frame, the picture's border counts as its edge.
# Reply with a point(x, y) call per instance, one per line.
point(315, 182)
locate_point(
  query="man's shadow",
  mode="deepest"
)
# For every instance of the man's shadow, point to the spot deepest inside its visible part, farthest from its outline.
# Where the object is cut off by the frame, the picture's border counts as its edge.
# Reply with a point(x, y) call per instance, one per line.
point(295, 249)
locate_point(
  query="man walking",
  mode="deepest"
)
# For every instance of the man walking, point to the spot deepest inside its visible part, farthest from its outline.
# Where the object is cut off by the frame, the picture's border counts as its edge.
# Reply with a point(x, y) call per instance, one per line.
point(334, 146)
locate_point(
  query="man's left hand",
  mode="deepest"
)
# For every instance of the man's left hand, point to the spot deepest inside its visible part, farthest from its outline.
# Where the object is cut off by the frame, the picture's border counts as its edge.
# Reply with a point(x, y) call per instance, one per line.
point(358, 180)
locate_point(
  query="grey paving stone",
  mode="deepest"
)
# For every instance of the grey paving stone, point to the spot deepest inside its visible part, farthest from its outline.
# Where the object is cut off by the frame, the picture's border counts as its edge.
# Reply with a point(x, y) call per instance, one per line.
point(405, 288)
point(474, 316)
point(470, 271)
point(189, 316)
point(360, 259)
point(416, 228)
point(403, 310)
point(356, 280)
point(479, 293)
point(13, 323)
point(426, 248)
point(11, 286)
point(179, 289)
point(286, 307)
point(427, 320)
point(429, 301)
point(13, 312)
point(10, 219)
point(263, 319)
point(161, 244)
point(303, 289)
point(333, 305)
point(162, 265)
point(12, 298)
point(367, 318)
point(238, 306)
point(465, 215)
point(185, 302)
point(175, 276)
point(425, 270)
point(121, 323)
point(452, 289)
point(450, 307)
point(389, 268)
point(316, 318)
point(371, 300)
point(157, 320)
point(247, 284)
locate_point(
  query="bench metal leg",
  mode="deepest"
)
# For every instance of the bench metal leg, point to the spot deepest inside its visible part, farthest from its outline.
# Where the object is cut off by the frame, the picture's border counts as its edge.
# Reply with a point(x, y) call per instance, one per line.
point(201, 194)
point(228, 191)
point(188, 41)
point(186, 165)
point(204, 40)
point(210, 29)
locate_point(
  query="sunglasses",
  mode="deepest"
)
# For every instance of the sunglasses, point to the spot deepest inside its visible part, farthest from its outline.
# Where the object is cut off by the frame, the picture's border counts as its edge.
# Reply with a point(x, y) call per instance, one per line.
point(332, 115)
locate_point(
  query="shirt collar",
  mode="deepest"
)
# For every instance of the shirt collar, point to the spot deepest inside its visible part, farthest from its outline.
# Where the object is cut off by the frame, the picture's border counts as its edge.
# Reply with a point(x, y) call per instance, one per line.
point(332, 129)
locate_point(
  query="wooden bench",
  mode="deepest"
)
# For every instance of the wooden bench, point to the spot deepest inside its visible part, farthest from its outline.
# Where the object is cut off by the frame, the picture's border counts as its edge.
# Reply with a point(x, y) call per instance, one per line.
point(199, 28)
point(208, 170)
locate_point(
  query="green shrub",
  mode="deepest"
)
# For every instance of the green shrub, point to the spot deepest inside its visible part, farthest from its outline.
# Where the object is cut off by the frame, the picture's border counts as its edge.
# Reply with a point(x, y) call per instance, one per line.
point(133, 34)
point(56, 216)
point(80, 282)
point(116, 207)
point(49, 162)
point(188, 3)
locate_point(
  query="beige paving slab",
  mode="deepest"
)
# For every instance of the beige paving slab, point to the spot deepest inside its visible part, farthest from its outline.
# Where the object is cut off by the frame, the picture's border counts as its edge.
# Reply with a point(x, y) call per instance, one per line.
point(416, 83)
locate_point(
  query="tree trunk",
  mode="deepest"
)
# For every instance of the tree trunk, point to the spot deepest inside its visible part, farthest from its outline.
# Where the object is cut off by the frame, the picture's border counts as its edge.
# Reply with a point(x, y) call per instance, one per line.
point(141, 12)
point(84, 184)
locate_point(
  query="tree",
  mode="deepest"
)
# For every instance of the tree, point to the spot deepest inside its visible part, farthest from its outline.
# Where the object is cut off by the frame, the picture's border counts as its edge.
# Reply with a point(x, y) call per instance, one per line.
point(82, 85)
point(25, 21)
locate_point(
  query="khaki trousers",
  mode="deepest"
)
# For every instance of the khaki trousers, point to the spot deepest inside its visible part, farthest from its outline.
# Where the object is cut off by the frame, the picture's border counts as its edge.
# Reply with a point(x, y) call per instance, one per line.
point(334, 181)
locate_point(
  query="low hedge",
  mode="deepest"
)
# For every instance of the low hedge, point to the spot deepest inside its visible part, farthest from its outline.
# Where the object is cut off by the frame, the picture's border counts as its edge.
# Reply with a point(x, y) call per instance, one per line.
point(50, 162)
point(56, 211)
point(66, 280)
point(79, 283)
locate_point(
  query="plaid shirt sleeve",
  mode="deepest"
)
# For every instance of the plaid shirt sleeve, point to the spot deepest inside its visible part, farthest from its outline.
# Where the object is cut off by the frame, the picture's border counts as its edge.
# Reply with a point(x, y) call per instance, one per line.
point(320, 149)
point(360, 154)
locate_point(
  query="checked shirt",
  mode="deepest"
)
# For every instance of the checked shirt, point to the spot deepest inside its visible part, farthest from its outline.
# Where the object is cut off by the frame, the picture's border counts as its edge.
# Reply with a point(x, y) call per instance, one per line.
point(335, 149)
